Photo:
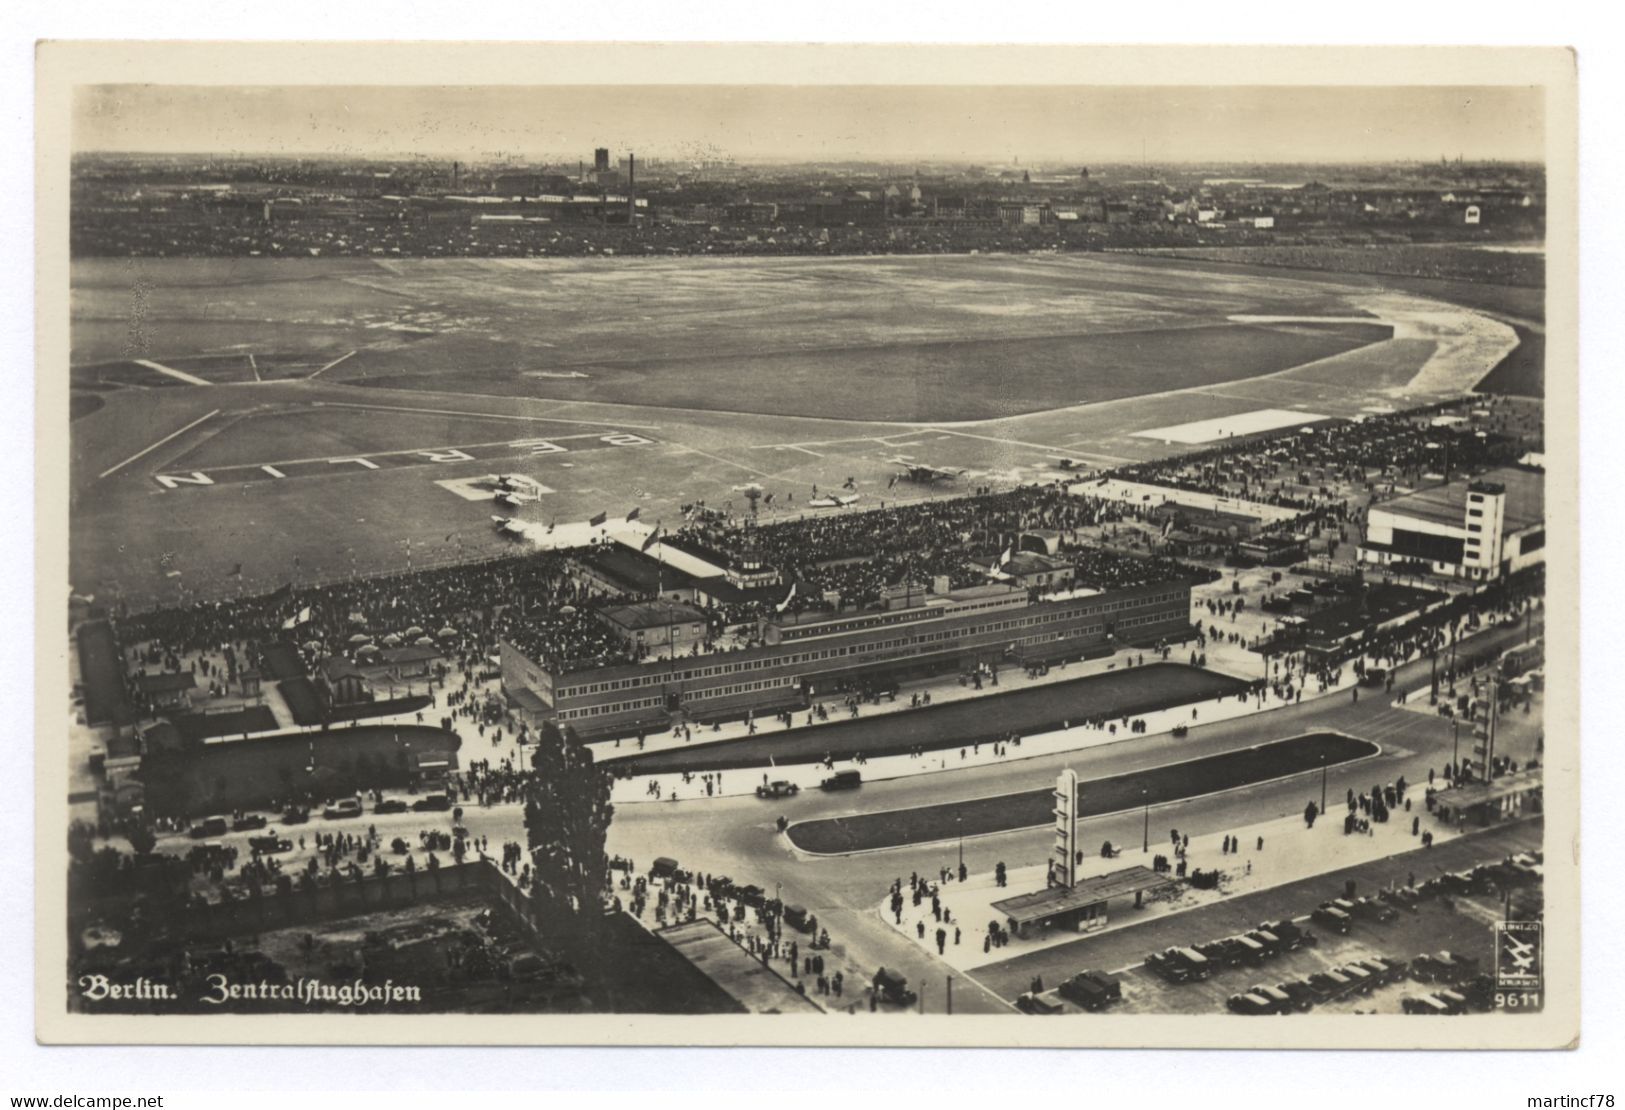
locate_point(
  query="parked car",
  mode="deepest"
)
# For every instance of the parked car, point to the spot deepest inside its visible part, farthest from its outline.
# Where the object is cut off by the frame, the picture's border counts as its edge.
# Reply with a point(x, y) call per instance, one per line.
point(1247, 950)
point(1030, 1003)
point(842, 780)
point(270, 844)
point(1331, 917)
point(1180, 965)
point(779, 788)
point(391, 805)
point(1400, 897)
point(752, 896)
point(1455, 1002)
point(209, 826)
point(1443, 967)
point(1423, 1004)
point(432, 803)
point(663, 867)
point(892, 988)
point(1289, 934)
point(797, 918)
point(1303, 997)
point(344, 807)
point(1084, 991)
point(1384, 971)
point(1363, 981)
point(1268, 941)
point(1329, 986)
point(1280, 999)
point(1369, 909)
point(1111, 984)
point(295, 815)
point(1253, 1005)
point(248, 822)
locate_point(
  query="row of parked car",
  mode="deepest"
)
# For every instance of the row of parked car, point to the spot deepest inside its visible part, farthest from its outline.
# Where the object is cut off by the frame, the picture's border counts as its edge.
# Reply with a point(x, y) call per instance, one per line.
point(1197, 962)
point(1091, 990)
point(299, 815)
point(1356, 977)
point(784, 788)
point(1463, 987)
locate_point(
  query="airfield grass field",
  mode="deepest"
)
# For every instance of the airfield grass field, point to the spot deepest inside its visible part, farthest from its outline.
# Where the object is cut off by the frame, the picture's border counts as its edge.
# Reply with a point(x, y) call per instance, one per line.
point(936, 338)
point(786, 372)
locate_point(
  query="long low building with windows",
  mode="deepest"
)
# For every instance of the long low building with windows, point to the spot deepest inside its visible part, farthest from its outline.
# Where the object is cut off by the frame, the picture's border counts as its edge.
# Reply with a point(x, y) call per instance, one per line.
point(815, 655)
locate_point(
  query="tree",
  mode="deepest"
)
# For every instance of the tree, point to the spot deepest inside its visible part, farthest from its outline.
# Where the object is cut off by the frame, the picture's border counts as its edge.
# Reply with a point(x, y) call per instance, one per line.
point(567, 815)
point(142, 839)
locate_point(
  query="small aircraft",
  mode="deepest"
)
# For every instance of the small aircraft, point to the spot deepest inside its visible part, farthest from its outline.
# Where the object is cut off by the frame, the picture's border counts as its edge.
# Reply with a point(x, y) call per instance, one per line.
point(514, 497)
point(511, 481)
point(923, 472)
point(833, 500)
point(506, 525)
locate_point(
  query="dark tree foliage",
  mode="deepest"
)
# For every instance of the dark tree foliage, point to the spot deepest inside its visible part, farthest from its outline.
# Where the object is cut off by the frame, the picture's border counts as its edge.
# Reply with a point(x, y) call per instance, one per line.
point(567, 815)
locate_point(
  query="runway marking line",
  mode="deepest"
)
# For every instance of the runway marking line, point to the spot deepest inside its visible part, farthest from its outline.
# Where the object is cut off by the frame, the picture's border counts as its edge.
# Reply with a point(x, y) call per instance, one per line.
point(440, 449)
point(154, 446)
point(329, 366)
point(178, 375)
point(484, 415)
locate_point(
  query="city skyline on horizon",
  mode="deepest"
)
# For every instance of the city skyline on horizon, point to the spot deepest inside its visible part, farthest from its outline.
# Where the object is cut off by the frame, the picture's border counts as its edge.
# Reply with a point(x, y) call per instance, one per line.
point(1032, 125)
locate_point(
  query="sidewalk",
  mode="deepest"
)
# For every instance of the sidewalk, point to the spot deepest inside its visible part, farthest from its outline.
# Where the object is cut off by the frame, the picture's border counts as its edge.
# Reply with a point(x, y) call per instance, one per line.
point(1291, 852)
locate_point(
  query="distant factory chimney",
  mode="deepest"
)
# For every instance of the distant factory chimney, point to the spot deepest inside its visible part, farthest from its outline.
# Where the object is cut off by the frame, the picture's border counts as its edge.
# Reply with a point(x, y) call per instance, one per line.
point(631, 188)
point(600, 160)
point(456, 175)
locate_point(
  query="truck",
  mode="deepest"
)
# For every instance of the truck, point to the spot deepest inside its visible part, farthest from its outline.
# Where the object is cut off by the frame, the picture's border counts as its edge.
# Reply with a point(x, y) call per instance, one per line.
point(842, 780)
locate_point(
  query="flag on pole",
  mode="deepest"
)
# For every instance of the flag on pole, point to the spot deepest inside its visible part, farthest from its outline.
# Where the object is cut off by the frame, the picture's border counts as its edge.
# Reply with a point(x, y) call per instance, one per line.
point(650, 540)
point(633, 515)
point(597, 520)
point(785, 604)
point(1006, 555)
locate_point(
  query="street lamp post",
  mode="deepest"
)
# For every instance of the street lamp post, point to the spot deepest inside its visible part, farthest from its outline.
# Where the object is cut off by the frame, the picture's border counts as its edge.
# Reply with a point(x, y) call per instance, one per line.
point(1455, 744)
point(1145, 838)
point(960, 828)
point(1323, 784)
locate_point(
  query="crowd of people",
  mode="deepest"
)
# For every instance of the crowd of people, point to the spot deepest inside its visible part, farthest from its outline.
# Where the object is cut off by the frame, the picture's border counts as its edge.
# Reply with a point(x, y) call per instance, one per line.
point(1312, 469)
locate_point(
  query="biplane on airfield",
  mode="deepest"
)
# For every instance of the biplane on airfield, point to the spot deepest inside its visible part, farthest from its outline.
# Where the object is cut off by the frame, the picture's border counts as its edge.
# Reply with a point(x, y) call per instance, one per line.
point(507, 526)
point(924, 473)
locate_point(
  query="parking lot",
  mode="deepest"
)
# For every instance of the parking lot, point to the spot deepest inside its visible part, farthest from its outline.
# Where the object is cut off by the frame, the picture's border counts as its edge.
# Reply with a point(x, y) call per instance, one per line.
point(1462, 926)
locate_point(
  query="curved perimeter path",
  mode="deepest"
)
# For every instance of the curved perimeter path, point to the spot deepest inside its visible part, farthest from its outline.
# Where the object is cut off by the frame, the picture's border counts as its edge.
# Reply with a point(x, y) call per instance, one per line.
point(1171, 782)
point(1128, 692)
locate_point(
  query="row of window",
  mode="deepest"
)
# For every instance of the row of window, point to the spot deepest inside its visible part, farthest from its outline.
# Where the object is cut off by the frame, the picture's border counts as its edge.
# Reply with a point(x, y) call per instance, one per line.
point(656, 677)
point(599, 710)
point(788, 681)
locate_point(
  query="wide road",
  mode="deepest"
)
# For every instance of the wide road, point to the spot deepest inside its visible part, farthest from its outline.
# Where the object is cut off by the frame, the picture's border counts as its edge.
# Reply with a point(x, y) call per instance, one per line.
point(1157, 786)
point(737, 836)
point(1115, 694)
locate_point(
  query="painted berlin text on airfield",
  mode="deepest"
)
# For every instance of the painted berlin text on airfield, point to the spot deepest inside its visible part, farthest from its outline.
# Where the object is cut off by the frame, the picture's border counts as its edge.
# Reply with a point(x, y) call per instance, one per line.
point(934, 558)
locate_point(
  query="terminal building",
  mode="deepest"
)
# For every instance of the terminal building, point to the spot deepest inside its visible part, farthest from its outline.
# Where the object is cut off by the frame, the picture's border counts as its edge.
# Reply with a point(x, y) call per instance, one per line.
point(1481, 529)
point(798, 658)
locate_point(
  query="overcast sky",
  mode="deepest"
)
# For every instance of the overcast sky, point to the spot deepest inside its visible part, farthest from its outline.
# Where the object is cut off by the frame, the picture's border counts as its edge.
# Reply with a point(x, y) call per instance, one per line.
point(1081, 124)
